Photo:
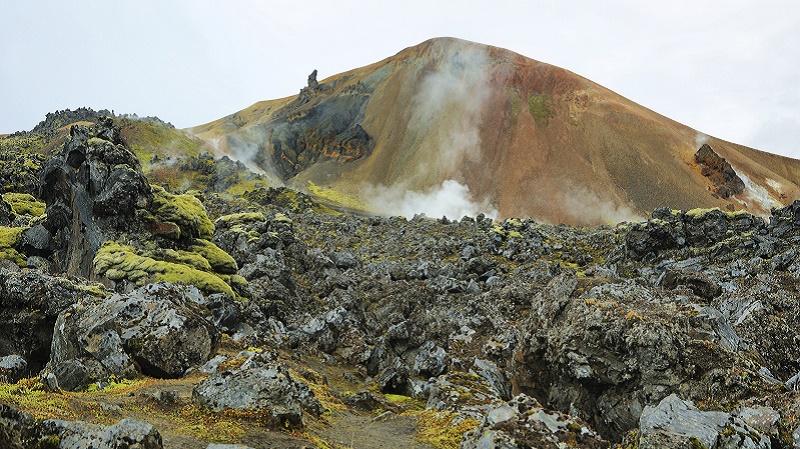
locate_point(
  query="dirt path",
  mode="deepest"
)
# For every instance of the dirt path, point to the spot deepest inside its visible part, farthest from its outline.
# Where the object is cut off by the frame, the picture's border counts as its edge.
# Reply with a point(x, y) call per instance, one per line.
point(357, 431)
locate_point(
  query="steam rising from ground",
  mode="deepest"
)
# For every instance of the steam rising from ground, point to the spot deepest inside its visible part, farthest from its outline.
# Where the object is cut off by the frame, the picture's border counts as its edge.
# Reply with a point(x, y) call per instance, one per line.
point(451, 199)
point(757, 193)
point(700, 139)
point(444, 132)
point(448, 106)
point(587, 206)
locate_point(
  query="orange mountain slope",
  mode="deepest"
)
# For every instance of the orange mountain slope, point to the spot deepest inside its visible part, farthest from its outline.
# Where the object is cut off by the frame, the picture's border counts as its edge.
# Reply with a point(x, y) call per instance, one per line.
point(458, 127)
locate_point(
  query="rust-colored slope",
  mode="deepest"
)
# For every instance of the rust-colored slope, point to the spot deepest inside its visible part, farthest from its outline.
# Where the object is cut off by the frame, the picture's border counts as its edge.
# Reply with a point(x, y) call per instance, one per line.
point(526, 138)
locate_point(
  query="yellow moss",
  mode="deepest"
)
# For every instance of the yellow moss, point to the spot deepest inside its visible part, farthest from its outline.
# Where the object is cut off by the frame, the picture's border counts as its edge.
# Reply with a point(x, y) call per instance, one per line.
point(700, 212)
point(407, 402)
point(9, 238)
point(239, 219)
point(220, 261)
point(117, 262)
point(282, 218)
point(191, 259)
point(186, 211)
point(337, 198)
point(438, 430)
point(24, 204)
point(633, 316)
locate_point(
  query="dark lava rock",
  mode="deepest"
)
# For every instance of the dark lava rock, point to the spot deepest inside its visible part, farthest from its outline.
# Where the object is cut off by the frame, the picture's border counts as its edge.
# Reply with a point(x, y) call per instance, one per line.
point(6, 213)
point(94, 184)
point(30, 302)
point(261, 385)
point(160, 328)
point(700, 284)
point(724, 179)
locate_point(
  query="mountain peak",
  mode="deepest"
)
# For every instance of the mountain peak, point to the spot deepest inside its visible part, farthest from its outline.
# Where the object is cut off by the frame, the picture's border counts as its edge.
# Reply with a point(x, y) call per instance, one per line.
point(451, 126)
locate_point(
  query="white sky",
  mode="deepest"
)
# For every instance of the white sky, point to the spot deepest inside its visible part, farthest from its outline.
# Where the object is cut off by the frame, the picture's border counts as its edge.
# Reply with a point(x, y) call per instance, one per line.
point(726, 68)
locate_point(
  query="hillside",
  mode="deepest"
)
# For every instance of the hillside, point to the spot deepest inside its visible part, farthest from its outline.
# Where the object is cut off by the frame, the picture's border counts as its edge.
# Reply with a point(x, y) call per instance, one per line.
point(458, 127)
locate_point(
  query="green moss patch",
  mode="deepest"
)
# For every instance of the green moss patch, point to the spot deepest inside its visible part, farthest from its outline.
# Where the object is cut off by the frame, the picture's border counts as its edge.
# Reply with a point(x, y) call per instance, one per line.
point(229, 221)
point(24, 204)
point(118, 262)
point(220, 261)
point(541, 108)
point(9, 239)
point(186, 211)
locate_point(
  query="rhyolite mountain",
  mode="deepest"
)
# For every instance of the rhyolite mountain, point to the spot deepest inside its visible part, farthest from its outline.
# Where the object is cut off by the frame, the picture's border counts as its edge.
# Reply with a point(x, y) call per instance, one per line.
point(526, 138)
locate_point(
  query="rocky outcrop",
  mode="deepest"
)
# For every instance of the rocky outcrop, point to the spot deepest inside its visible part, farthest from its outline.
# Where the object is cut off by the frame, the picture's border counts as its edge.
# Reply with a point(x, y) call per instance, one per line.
point(20, 430)
point(675, 423)
point(524, 423)
point(724, 180)
point(260, 385)
point(159, 330)
point(30, 303)
point(92, 187)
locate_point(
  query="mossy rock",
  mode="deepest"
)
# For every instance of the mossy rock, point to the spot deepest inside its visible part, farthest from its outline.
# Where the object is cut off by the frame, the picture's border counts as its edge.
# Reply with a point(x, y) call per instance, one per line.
point(24, 204)
point(220, 261)
point(9, 239)
point(117, 262)
point(189, 258)
point(186, 211)
point(229, 221)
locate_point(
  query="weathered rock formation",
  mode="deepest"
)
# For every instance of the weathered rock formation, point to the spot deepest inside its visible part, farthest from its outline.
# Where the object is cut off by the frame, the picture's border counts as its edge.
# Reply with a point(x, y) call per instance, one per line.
point(160, 330)
point(92, 188)
point(724, 180)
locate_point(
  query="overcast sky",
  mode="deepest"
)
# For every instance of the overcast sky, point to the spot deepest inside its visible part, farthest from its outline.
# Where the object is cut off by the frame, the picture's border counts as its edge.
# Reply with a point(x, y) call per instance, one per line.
point(730, 69)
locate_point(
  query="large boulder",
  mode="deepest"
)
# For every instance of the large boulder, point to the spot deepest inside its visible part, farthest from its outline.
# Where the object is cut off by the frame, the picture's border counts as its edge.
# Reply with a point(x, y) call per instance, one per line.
point(724, 180)
point(129, 433)
point(30, 303)
point(20, 430)
point(262, 385)
point(675, 423)
point(605, 353)
point(159, 328)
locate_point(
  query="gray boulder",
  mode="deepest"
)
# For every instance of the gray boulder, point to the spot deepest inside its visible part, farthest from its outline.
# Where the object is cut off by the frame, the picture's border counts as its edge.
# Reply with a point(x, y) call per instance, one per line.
point(431, 360)
point(159, 328)
point(260, 384)
point(30, 303)
point(20, 430)
point(675, 423)
point(523, 422)
point(126, 434)
point(12, 368)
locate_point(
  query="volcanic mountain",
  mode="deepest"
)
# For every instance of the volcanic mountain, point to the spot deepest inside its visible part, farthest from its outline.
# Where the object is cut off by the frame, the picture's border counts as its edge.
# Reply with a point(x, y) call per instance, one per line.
point(450, 126)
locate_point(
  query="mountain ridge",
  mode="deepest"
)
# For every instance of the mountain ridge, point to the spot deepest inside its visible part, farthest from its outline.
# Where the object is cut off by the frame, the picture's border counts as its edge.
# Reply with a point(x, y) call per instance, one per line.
point(519, 137)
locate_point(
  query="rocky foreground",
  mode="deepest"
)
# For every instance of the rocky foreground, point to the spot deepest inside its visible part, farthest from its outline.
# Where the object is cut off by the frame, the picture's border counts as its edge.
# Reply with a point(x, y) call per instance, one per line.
point(267, 319)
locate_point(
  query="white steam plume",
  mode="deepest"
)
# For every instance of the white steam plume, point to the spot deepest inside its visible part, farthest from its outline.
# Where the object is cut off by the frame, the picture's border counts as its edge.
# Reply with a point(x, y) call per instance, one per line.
point(451, 199)
point(700, 139)
point(447, 108)
point(588, 207)
point(444, 130)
